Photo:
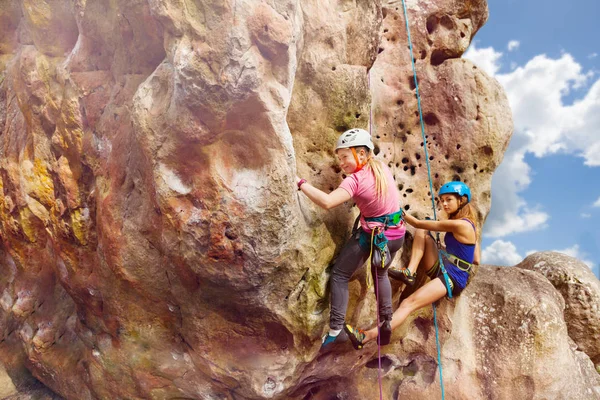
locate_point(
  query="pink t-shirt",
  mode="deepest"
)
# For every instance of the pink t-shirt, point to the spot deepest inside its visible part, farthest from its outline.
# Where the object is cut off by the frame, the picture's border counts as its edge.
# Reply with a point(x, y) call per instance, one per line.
point(361, 186)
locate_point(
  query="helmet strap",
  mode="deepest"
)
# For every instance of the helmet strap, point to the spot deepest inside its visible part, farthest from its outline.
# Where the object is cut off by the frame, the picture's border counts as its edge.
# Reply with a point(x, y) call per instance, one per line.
point(359, 165)
point(459, 207)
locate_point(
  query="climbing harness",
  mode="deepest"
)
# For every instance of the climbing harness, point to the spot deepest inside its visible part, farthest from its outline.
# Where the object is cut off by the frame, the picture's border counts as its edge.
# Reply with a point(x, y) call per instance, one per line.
point(443, 268)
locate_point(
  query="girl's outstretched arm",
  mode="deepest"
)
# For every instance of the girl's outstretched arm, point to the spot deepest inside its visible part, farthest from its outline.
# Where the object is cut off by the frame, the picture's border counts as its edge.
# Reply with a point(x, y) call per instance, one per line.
point(322, 199)
point(460, 228)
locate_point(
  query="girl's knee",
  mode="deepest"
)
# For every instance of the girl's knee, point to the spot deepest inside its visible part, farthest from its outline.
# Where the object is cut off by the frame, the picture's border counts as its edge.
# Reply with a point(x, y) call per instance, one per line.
point(408, 303)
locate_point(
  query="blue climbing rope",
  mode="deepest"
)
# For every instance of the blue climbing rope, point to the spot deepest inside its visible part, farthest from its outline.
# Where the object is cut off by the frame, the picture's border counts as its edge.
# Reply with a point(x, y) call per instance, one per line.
point(441, 262)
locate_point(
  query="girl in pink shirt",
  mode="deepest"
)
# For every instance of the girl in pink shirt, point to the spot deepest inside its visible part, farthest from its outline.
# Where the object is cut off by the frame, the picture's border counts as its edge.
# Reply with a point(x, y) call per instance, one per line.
point(371, 185)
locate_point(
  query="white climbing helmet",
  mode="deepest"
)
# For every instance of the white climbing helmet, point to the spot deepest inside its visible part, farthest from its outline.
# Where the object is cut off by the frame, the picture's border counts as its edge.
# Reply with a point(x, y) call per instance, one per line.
point(353, 138)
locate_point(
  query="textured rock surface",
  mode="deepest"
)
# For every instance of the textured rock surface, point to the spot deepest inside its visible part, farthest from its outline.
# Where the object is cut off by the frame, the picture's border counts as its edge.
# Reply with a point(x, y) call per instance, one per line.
point(581, 291)
point(153, 244)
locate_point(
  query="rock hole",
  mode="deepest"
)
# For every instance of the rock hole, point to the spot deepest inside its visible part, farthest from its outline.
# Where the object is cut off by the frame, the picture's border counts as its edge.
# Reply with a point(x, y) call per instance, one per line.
point(417, 155)
point(333, 68)
point(407, 207)
point(386, 363)
point(447, 156)
point(377, 150)
point(458, 147)
point(475, 166)
point(448, 23)
point(405, 168)
point(431, 119)
point(386, 30)
point(357, 115)
point(409, 190)
point(438, 57)
point(430, 158)
point(423, 54)
point(397, 165)
point(413, 170)
point(405, 161)
point(411, 84)
point(400, 187)
point(380, 50)
point(456, 177)
point(436, 176)
point(481, 171)
point(487, 150)
point(400, 102)
point(401, 126)
point(462, 34)
point(404, 140)
point(432, 23)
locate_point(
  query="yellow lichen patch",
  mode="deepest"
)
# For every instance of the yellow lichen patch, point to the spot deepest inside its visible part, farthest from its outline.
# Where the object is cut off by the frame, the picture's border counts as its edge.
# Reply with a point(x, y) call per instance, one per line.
point(79, 225)
point(27, 224)
point(39, 184)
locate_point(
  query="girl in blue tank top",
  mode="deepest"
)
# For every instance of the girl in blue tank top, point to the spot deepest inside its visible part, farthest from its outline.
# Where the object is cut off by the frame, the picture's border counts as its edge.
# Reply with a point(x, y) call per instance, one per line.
point(460, 252)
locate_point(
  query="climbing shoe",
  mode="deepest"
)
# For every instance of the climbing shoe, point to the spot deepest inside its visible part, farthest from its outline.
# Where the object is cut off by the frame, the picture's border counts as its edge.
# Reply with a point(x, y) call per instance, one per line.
point(403, 275)
point(357, 336)
point(329, 340)
point(385, 333)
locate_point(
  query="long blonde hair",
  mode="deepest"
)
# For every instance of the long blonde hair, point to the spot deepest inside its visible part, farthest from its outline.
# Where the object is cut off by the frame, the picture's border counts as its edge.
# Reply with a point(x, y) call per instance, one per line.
point(381, 184)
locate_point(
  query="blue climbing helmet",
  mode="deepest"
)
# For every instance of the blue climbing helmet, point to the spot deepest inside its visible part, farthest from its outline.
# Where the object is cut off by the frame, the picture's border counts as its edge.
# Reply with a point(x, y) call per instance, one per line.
point(456, 187)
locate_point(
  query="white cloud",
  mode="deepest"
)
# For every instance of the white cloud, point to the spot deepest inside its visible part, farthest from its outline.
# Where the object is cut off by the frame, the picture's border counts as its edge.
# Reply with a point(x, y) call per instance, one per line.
point(597, 203)
point(513, 45)
point(586, 215)
point(593, 55)
point(501, 253)
point(487, 59)
point(544, 124)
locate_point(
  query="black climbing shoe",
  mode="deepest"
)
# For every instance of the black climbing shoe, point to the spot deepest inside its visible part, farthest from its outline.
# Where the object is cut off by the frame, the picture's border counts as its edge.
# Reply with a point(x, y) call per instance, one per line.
point(385, 333)
point(357, 336)
point(403, 275)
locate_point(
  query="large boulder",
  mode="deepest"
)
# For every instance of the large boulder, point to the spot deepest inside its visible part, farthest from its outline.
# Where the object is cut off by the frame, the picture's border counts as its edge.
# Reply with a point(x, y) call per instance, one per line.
point(153, 242)
point(580, 290)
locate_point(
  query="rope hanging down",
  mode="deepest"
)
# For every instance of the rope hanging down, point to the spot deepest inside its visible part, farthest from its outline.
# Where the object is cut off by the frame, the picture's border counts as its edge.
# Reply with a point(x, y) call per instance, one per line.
point(370, 258)
point(441, 262)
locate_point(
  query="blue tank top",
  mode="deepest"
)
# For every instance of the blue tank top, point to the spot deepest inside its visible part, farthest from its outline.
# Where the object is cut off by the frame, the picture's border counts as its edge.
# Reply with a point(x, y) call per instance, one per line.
point(463, 251)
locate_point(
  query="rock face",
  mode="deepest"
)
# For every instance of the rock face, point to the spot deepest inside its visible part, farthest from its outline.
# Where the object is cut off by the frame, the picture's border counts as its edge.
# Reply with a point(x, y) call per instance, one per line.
point(580, 290)
point(153, 242)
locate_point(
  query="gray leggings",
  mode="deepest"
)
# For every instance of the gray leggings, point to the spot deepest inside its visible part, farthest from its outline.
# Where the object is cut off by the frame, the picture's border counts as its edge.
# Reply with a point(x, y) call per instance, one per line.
point(350, 259)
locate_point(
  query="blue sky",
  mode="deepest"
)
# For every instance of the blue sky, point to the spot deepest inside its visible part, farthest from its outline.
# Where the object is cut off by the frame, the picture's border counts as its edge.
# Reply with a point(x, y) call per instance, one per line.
point(546, 193)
